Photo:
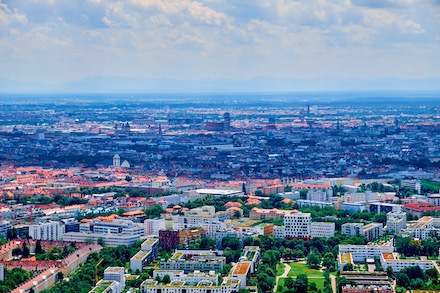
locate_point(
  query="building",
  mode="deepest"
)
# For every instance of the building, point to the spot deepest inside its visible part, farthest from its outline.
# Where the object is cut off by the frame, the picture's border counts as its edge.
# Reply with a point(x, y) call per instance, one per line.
point(153, 226)
point(352, 229)
point(361, 252)
point(373, 231)
point(115, 274)
point(2, 272)
point(322, 229)
point(298, 225)
point(319, 194)
point(396, 222)
point(353, 207)
point(219, 235)
point(116, 161)
point(145, 256)
point(383, 207)
point(266, 214)
point(191, 278)
point(226, 122)
point(367, 289)
point(313, 203)
point(279, 231)
point(189, 261)
point(242, 272)
point(425, 227)
point(250, 254)
point(118, 226)
point(412, 184)
point(418, 208)
point(433, 199)
point(104, 286)
point(168, 239)
point(370, 231)
point(392, 260)
point(4, 227)
point(344, 258)
point(51, 230)
point(106, 239)
point(229, 285)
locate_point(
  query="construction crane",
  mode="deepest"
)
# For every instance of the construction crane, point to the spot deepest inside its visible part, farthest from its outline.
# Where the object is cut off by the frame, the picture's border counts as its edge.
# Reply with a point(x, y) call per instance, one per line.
point(96, 269)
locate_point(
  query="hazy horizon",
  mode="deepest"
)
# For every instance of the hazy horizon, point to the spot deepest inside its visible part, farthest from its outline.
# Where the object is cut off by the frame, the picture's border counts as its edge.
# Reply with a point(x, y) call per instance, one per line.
point(218, 46)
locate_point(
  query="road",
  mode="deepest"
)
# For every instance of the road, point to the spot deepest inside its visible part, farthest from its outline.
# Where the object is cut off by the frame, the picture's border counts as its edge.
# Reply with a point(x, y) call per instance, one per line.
point(284, 275)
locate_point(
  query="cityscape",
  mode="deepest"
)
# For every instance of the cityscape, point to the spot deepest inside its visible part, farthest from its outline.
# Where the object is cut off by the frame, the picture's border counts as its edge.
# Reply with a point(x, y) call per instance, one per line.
point(309, 194)
point(214, 146)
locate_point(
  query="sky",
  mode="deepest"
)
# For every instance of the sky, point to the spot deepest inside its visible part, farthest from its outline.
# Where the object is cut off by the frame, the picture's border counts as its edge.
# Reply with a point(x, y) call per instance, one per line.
point(248, 45)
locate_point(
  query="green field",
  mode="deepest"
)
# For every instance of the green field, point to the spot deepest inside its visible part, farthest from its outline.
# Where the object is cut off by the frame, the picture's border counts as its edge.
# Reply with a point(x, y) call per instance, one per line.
point(318, 281)
point(314, 276)
point(301, 268)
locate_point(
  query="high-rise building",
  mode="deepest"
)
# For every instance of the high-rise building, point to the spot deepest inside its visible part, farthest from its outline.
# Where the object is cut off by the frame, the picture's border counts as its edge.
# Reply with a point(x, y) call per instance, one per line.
point(46, 231)
point(298, 225)
point(226, 121)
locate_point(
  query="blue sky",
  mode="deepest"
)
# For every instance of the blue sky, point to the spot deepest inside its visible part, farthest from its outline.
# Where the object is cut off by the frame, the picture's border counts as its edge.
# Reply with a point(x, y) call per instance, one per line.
point(48, 44)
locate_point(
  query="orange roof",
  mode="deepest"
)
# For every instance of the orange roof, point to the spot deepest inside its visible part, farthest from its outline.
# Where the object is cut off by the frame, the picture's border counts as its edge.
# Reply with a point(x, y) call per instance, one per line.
point(241, 268)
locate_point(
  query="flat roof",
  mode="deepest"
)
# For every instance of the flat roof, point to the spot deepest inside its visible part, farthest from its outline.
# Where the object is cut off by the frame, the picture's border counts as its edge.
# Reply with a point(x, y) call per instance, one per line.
point(241, 268)
point(217, 191)
point(345, 257)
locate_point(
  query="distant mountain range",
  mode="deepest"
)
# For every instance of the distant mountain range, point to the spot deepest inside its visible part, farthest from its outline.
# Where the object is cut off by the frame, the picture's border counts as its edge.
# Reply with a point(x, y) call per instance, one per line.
point(106, 84)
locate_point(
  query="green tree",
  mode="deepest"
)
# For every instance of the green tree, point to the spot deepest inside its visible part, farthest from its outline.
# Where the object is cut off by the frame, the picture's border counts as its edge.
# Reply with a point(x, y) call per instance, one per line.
point(166, 279)
point(301, 284)
point(289, 283)
point(313, 260)
point(38, 248)
point(26, 251)
point(348, 267)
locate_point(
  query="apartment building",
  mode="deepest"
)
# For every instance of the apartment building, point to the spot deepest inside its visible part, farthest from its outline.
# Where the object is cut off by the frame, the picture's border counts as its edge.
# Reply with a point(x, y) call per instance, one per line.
point(396, 222)
point(425, 227)
point(370, 231)
point(322, 229)
point(51, 230)
point(266, 214)
point(145, 256)
point(115, 274)
point(229, 285)
point(361, 252)
point(189, 261)
point(153, 226)
point(392, 260)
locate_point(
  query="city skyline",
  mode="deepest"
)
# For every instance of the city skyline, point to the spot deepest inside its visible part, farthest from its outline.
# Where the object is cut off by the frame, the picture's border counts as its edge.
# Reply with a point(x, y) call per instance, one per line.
point(215, 46)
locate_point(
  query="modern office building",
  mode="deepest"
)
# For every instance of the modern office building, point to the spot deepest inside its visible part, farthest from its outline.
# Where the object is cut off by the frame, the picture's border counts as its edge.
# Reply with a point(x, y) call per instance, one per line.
point(298, 225)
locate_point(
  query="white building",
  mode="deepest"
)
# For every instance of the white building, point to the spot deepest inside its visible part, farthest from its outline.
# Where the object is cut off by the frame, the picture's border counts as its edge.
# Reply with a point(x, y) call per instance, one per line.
point(116, 161)
point(396, 222)
point(322, 229)
point(104, 286)
point(108, 239)
point(279, 231)
point(152, 226)
point(298, 225)
point(434, 199)
point(352, 229)
point(228, 285)
point(361, 252)
point(51, 230)
point(118, 226)
point(424, 227)
point(191, 278)
point(373, 231)
point(318, 194)
point(115, 274)
point(392, 260)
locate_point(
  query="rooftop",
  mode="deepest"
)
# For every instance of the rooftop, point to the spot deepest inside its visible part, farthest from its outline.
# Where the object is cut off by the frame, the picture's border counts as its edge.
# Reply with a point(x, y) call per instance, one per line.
point(241, 268)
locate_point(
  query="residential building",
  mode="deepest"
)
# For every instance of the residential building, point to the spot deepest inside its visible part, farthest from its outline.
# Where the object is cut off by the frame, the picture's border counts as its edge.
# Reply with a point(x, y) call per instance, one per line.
point(425, 227)
point(279, 231)
point(145, 256)
point(104, 286)
point(229, 285)
point(373, 231)
point(115, 274)
point(168, 239)
point(392, 260)
point(153, 226)
point(367, 289)
point(51, 230)
point(322, 229)
point(188, 261)
point(266, 214)
point(396, 222)
point(191, 279)
point(433, 199)
point(4, 227)
point(352, 229)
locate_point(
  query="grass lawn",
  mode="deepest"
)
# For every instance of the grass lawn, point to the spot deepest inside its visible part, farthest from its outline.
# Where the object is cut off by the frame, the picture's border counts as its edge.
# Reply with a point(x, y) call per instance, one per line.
point(280, 269)
point(318, 281)
point(301, 268)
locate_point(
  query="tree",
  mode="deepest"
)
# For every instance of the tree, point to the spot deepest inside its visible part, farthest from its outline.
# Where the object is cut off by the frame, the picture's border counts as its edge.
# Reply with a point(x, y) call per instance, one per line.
point(26, 252)
point(402, 280)
point(38, 248)
point(166, 279)
point(390, 272)
point(348, 267)
point(289, 283)
point(231, 242)
point(100, 241)
point(313, 260)
point(301, 284)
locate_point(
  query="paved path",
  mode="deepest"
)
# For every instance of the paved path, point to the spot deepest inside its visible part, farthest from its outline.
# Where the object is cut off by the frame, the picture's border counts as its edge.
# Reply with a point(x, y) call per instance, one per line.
point(284, 275)
point(333, 280)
